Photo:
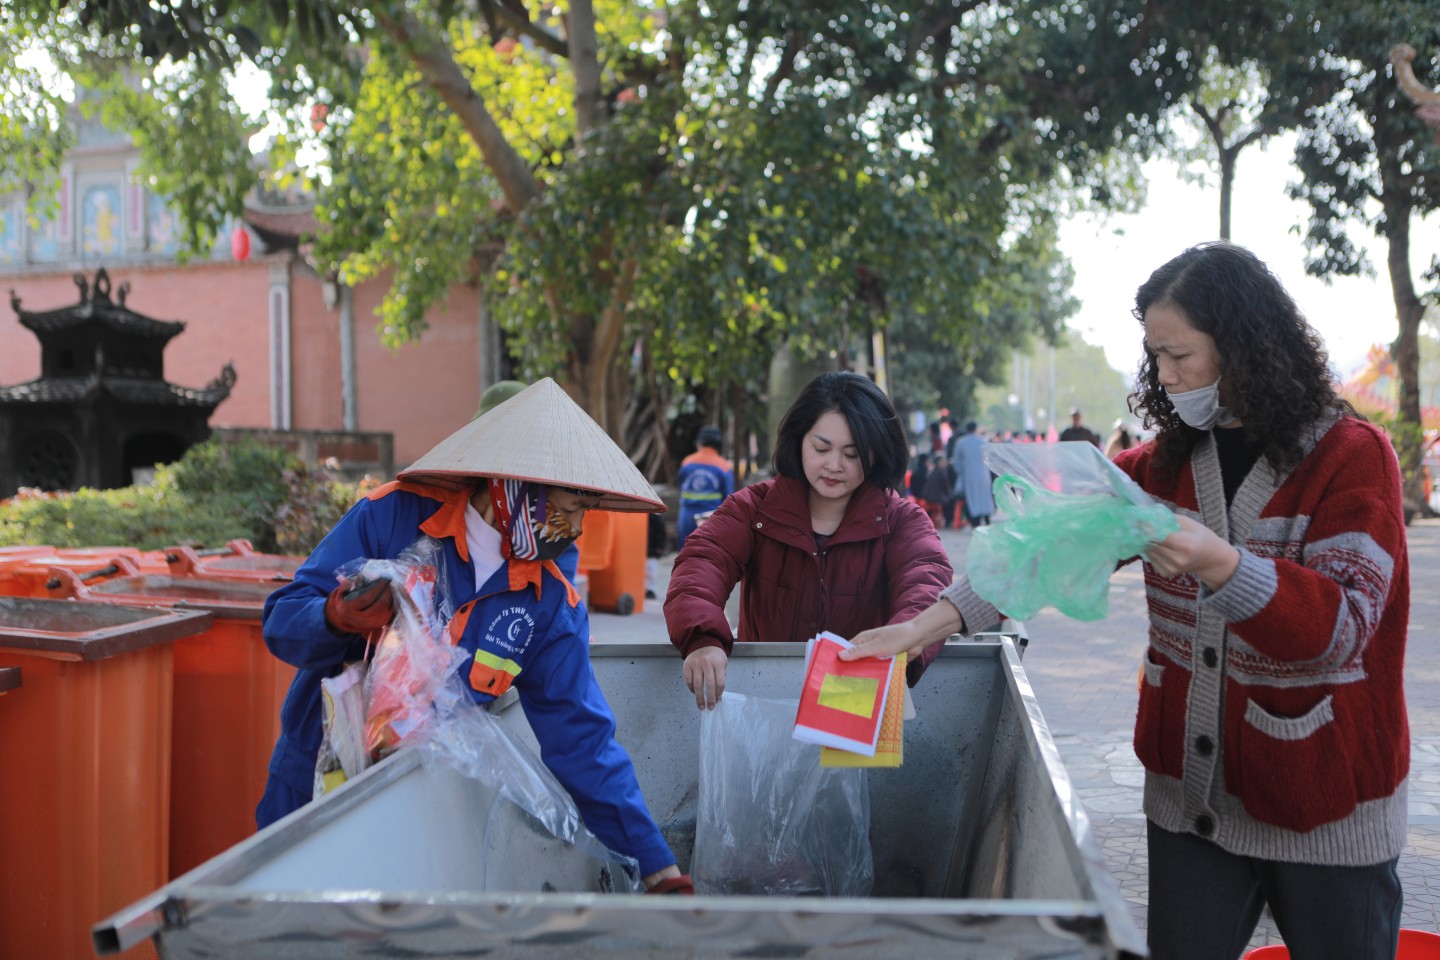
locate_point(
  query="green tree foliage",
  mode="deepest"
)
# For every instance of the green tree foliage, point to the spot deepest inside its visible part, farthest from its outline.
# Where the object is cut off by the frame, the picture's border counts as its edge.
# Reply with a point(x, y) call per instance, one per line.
point(216, 493)
point(1082, 378)
point(706, 181)
point(1252, 73)
point(1367, 160)
point(928, 376)
point(33, 134)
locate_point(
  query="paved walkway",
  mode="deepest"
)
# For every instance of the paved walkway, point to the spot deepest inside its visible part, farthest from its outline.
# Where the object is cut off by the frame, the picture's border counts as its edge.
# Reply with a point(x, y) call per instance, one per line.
point(1084, 678)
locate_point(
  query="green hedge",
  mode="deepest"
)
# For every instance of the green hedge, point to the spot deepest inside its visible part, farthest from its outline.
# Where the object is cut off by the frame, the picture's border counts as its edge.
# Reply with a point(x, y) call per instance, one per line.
point(219, 491)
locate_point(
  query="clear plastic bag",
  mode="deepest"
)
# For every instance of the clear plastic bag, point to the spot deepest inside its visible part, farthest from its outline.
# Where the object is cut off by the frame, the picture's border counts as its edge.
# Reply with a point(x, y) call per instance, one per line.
point(478, 745)
point(771, 820)
point(342, 747)
point(1071, 467)
point(1069, 516)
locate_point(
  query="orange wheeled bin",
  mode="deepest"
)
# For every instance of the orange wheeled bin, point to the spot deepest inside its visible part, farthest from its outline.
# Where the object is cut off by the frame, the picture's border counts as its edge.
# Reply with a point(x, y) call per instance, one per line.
point(10, 560)
point(237, 560)
point(32, 574)
point(228, 689)
point(85, 734)
point(148, 561)
point(612, 557)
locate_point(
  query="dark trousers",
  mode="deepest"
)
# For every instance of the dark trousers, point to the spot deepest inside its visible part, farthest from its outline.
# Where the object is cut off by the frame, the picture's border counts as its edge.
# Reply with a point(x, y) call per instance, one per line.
point(1205, 904)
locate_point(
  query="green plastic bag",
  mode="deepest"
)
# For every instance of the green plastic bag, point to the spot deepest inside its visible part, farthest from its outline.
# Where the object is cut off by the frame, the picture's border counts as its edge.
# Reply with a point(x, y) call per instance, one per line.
point(1058, 549)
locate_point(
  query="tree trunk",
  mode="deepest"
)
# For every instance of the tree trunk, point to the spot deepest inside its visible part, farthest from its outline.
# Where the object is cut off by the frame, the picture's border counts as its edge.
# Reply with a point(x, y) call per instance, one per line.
point(436, 63)
point(1405, 351)
point(1227, 189)
point(585, 67)
point(739, 433)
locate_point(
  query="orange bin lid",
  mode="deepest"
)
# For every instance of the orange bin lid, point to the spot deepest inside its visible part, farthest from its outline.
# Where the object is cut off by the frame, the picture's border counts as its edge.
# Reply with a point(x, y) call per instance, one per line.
point(227, 598)
point(79, 631)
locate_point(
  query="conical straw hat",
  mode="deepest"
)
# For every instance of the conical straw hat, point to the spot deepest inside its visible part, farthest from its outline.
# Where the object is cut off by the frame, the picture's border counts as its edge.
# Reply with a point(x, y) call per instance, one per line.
point(540, 435)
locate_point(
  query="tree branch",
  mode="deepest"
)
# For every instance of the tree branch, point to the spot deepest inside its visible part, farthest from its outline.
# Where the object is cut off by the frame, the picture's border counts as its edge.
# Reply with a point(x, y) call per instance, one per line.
point(1211, 121)
point(747, 69)
point(786, 66)
point(493, 12)
point(435, 63)
point(611, 322)
point(1401, 56)
point(585, 66)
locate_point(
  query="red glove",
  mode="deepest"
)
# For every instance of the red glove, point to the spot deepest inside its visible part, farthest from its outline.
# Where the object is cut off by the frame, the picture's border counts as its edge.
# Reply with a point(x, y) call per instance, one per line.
point(681, 884)
point(361, 608)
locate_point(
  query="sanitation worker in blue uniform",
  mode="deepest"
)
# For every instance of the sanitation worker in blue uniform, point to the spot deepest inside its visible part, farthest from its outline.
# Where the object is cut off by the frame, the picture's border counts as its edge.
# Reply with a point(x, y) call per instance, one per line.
point(706, 479)
point(503, 496)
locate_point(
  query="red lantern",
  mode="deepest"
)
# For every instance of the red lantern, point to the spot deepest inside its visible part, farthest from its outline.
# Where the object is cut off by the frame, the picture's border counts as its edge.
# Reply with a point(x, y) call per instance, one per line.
point(240, 244)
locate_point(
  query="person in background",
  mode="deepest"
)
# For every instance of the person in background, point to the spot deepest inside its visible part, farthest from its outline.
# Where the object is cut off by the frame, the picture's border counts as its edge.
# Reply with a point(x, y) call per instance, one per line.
point(706, 479)
point(657, 543)
point(502, 501)
point(826, 544)
point(496, 394)
point(973, 483)
point(1272, 723)
point(919, 473)
point(939, 487)
point(1078, 431)
point(1120, 439)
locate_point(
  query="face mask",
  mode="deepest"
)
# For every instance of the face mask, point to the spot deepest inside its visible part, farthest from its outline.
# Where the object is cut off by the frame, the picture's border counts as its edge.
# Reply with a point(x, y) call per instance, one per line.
point(555, 533)
point(556, 544)
point(1201, 408)
point(536, 530)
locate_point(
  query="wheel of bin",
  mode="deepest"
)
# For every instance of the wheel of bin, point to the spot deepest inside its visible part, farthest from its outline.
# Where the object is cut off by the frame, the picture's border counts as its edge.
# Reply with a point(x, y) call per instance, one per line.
point(624, 604)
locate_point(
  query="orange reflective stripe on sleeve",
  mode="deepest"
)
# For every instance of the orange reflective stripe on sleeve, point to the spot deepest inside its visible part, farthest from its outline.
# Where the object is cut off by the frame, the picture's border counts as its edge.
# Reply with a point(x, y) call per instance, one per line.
point(491, 674)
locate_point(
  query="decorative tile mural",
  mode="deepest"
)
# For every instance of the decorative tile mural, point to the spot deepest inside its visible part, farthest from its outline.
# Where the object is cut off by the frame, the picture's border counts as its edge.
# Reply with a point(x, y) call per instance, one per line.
point(12, 237)
point(100, 220)
point(45, 241)
point(162, 226)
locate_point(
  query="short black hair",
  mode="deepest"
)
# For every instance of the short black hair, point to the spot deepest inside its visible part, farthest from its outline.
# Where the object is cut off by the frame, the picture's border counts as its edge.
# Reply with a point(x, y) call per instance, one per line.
point(709, 436)
point(879, 436)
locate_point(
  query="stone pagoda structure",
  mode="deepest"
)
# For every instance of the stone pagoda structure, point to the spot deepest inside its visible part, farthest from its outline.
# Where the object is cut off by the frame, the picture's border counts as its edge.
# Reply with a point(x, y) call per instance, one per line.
point(100, 412)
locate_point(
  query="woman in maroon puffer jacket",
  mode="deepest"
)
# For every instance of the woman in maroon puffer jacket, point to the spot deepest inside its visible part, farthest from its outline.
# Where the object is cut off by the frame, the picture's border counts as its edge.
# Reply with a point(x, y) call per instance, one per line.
point(827, 544)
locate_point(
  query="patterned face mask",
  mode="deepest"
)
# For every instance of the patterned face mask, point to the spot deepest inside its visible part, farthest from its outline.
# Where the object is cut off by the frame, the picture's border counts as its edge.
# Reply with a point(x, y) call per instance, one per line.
point(530, 527)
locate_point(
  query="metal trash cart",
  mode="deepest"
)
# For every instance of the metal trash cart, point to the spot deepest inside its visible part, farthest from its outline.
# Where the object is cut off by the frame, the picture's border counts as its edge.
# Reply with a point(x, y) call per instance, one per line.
point(981, 848)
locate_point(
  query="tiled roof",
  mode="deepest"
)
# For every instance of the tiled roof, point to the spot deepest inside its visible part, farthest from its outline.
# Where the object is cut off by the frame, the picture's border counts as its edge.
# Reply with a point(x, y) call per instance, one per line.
point(104, 312)
point(283, 223)
point(62, 390)
point(96, 306)
point(154, 393)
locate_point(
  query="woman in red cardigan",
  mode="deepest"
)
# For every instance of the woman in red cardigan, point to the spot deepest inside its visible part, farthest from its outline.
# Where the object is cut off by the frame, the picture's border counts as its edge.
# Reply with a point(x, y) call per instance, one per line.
point(827, 544)
point(1271, 722)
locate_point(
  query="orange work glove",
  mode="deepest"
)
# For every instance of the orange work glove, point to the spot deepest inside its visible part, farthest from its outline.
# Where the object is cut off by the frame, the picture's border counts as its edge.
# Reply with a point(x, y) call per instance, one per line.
point(681, 884)
point(361, 607)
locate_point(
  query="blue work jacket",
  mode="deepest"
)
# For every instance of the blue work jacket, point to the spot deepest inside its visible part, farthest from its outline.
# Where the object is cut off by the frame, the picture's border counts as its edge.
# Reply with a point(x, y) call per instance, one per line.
point(533, 635)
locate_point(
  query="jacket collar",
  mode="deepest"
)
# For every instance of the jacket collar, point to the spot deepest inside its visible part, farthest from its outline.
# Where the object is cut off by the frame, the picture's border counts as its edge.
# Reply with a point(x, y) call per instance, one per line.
point(449, 522)
point(788, 508)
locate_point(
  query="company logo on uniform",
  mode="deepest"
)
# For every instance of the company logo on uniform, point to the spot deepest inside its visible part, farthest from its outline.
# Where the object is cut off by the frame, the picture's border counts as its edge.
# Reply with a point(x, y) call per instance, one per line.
point(699, 482)
point(511, 630)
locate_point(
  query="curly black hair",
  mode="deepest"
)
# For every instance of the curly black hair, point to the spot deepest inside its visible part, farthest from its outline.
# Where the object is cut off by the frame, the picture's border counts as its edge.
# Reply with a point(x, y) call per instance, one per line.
point(1275, 375)
point(879, 436)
